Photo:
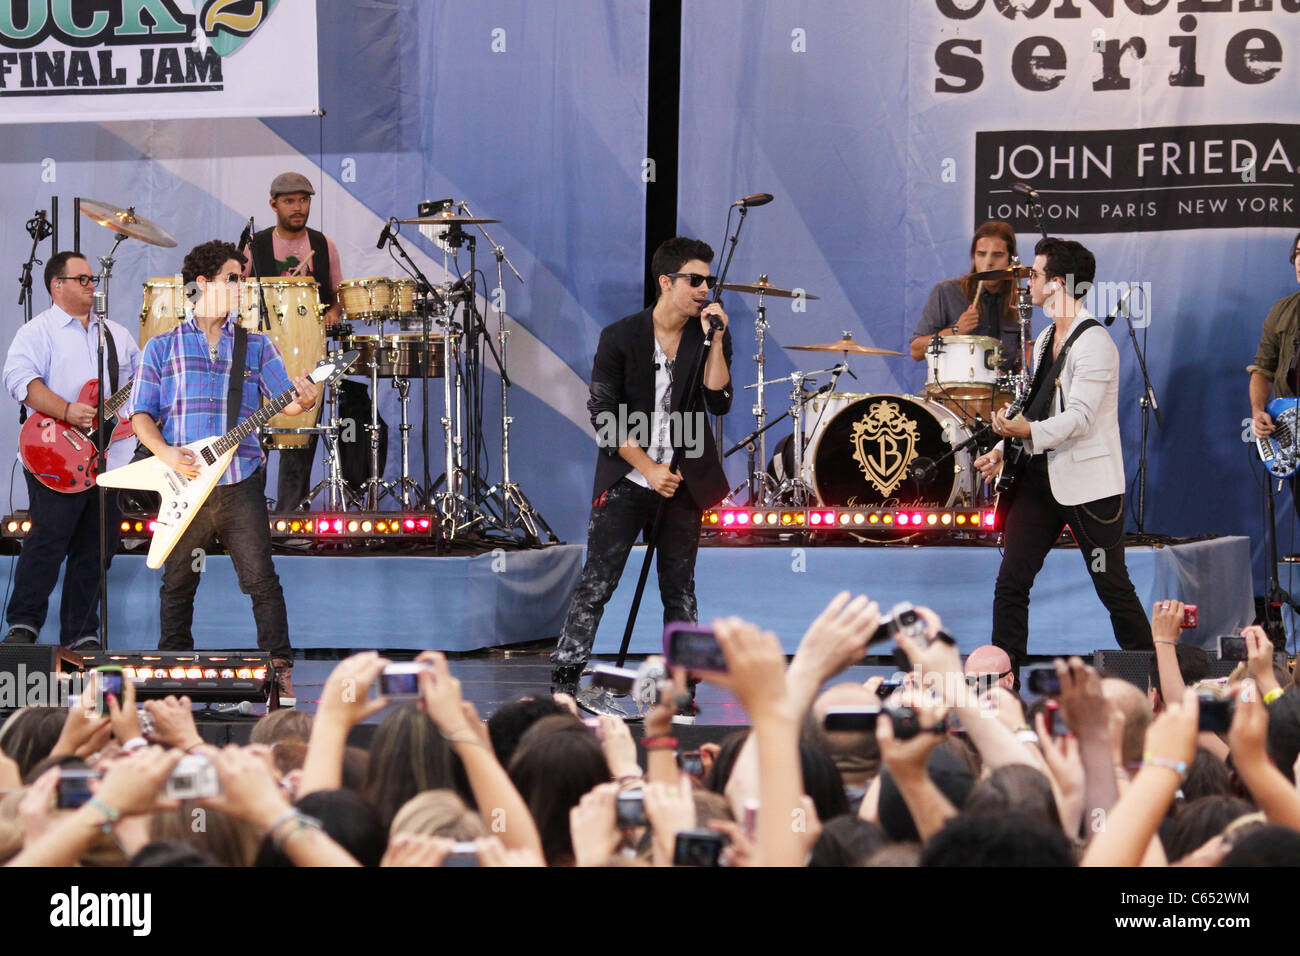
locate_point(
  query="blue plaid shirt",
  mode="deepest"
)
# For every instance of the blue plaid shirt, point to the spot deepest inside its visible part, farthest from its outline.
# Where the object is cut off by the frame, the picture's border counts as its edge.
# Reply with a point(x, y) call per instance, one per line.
point(184, 390)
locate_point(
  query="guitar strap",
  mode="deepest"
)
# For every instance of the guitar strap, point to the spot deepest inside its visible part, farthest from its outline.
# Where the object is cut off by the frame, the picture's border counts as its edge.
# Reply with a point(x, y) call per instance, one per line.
point(1041, 396)
point(235, 395)
point(112, 359)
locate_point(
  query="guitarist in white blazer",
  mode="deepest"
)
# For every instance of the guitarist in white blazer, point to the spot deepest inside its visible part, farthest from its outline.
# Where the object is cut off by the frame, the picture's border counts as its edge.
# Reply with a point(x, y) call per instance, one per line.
point(1074, 472)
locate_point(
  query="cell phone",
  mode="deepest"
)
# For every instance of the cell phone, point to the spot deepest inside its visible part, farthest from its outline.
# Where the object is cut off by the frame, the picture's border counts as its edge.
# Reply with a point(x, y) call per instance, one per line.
point(888, 687)
point(694, 647)
point(690, 761)
point(1232, 647)
point(1056, 725)
point(902, 618)
point(1213, 714)
point(193, 778)
point(621, 680)
point(1189, 615)
point(1043, 681)
point(851, 718)
point(73, 788)
point(462, 854)
point(629, 810)
point(401, 681)
point(108, 682)
point(698, 848)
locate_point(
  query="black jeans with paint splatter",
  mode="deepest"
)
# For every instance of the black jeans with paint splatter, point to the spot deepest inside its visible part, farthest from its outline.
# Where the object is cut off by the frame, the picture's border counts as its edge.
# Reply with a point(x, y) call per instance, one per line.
point(617, 519)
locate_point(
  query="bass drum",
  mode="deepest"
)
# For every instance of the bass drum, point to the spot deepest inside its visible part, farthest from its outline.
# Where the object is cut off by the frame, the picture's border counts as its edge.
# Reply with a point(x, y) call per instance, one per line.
point(869, 451)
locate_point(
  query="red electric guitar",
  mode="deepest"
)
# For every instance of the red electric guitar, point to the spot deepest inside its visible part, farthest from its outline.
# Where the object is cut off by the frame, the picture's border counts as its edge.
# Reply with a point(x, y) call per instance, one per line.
point(64, 457)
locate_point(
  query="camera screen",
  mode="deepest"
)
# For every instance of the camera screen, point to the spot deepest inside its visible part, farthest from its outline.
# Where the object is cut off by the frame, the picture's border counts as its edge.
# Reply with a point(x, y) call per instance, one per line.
point(698, 650)
point(399, 685)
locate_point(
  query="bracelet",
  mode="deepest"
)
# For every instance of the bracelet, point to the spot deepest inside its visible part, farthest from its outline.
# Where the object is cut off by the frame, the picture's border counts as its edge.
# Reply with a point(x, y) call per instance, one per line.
point(111, 816)
point(303, 822)
point(629, 778)
point(1175, 643)
point(191, 747)
point(457, 739)
point(280, 821)
point(67, 406)
point(1026, 736)
point(1177, 766)
point(1273, 695)
point(135, 743)
point(659, 743)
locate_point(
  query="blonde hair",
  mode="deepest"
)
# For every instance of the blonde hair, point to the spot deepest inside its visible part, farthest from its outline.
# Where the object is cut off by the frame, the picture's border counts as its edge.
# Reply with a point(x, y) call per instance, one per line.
point(438, 813)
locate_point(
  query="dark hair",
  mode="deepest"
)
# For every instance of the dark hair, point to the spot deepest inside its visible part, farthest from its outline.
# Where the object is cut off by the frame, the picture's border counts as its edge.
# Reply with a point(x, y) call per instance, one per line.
point(1294, 242)
point(993, 229)
point(510, 722)
point(1193, 665)
point(207, 258)
point(58, 262)
point(1015, 788)
point(950, 773)
point(1068, 261)
point(285, 724)
point(673, 253)
point(728, 750)
point(1200, 820)
point(355, 763)
point(167, 853)
point(1206, 777)
point(1284, 732)
point(821, 778)
point(558, 760)
point(996, 840)
point(408, 756)
point(846, 840)
point(1269, 844)
point(347, 818)
point(30, 734)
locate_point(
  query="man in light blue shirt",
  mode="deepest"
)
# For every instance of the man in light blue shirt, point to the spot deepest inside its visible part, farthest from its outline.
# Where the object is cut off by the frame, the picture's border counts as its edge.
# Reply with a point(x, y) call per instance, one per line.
point(50, 359)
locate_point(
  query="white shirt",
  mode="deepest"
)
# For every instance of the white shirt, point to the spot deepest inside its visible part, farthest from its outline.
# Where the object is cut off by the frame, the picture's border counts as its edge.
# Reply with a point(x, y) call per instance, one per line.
point(661, 442)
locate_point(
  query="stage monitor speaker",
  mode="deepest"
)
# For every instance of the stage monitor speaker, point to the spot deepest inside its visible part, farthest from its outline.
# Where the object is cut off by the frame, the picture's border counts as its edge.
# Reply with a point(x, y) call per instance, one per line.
point(1134, 666)
point(18, 662)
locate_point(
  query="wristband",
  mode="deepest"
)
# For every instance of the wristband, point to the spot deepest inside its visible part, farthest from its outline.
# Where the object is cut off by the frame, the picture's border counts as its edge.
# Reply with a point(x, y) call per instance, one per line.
point(659, 743)
point(1273, 695)
point(1177, 766)
point(1026, 736)
point(111, 816)
point(1175, 643)
point(135, 743)
point(67, 407)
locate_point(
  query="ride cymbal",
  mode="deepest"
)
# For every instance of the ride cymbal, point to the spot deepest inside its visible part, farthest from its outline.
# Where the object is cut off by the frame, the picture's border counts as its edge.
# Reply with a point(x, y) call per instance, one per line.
point(845, 344)
point(446, 219)
point(127, 222)
point(1011, 272)
point(763, 287)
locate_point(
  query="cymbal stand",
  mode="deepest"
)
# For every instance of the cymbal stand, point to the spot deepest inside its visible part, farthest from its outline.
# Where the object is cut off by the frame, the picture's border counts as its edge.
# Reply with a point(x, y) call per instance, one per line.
point(374, 487)
point(403, 486)
point(338, 496)
point(1024, 309)
point(793, 489)
point(105, 431)
point(759, 493)
point(510, 493)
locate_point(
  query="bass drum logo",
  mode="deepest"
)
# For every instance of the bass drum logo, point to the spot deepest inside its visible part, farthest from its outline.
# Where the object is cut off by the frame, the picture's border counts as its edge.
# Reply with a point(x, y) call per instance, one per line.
point(884, 445)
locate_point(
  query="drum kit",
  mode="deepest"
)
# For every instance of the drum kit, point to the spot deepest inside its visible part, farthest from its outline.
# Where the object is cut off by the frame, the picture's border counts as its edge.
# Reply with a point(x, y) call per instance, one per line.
point(864, 449)
point(406, 329)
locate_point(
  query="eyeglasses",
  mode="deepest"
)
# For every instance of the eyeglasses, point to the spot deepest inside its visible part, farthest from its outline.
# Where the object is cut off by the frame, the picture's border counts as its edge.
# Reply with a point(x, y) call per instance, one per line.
point(695, 278)
point(84, 280)
point(974, 680)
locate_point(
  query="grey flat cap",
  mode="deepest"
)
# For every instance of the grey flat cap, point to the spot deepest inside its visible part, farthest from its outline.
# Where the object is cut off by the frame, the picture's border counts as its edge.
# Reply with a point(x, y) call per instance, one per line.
point(291, 183)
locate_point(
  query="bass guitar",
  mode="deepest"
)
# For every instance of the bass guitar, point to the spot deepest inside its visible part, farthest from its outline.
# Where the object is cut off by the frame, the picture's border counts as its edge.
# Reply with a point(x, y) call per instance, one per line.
point(66, 458)
point(182, 497)
point(1280, 451)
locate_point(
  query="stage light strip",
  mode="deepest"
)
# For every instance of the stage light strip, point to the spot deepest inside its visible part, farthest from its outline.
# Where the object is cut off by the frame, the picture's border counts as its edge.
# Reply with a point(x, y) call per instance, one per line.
point(421, 525)
point(823, 519)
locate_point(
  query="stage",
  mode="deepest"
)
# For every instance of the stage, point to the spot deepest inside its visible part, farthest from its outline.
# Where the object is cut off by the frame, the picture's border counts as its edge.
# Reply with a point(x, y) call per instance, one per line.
point(501, 598)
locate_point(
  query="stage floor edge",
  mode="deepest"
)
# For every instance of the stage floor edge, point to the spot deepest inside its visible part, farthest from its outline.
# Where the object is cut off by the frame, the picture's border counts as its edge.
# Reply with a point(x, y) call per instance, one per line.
point(501, 598)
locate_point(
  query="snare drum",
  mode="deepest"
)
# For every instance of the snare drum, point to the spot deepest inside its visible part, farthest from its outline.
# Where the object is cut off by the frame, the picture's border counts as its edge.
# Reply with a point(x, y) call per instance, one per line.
point(866, 451)
point(377, 298)
point(965, 367)
point(397, 355)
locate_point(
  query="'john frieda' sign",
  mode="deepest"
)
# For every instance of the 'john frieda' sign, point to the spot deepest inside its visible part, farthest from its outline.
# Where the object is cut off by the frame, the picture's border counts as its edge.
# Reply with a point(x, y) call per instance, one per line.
point(1141, 180)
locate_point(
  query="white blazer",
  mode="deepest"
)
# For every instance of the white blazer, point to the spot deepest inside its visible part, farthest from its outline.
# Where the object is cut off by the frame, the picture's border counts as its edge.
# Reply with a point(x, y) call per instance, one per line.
point(1085, 460)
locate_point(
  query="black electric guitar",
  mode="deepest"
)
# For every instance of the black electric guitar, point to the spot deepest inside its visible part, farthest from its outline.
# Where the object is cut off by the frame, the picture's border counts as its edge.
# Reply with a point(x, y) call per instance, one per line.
point(1014, 460)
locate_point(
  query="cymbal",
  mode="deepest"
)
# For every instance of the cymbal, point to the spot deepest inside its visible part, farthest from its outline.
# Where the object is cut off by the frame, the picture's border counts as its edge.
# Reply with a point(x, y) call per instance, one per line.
point(763, 287)
point(446, 219)
point(1012, 272)
point(845, 344)
point(127, 222)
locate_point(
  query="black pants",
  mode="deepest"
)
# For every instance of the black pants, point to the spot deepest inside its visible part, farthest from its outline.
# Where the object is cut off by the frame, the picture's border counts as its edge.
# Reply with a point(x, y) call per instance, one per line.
point(294, 481)
point(1033, 524)
point(237, 514)
point(62, 526)
point(617, 517)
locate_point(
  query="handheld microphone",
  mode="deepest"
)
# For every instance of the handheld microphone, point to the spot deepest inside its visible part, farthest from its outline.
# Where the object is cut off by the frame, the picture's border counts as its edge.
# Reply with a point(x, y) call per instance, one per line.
point(1110, 319)
point(1025, 190)
point(756, 199)
point(386, 234)
point(246, 235)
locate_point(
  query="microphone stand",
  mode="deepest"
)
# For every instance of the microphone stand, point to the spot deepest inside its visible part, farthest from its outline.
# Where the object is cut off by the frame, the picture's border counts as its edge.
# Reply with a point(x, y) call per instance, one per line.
point(1148, 404)
point(733, 239)
point(104, 432)
point(38, 227)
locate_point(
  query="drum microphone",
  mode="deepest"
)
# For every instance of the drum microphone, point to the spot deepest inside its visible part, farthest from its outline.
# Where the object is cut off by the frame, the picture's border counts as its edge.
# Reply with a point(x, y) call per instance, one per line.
point(757, 199)
point(1025, 190)
point(246, 235)
point(387, 234)
point(1110, 319)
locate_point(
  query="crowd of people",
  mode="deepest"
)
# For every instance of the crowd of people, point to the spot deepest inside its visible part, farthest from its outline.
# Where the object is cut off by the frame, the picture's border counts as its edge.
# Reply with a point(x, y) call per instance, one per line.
point(957, 770)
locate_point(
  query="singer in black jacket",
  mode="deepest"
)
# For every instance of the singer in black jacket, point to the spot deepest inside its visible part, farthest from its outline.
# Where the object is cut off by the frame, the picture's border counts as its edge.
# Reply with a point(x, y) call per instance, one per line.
point(638, 397)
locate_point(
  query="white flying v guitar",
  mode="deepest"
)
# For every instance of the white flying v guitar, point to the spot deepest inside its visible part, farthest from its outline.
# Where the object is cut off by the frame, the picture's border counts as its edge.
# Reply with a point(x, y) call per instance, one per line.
point(182, 497)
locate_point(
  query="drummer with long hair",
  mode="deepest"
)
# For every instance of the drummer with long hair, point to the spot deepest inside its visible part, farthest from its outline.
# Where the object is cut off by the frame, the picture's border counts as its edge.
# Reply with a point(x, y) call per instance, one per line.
point(967, 306)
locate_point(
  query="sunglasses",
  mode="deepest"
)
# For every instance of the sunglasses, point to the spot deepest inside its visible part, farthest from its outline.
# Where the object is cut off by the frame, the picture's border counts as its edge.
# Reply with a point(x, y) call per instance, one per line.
point(84, 280)
point(695, 278)
point(974, 680)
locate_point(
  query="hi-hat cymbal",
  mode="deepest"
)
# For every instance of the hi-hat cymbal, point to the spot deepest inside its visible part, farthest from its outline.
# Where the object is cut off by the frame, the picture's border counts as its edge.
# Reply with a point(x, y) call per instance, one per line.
point(1012, 272)
point(845, 344)
point(763, 287)
point(446, 219)
point(127, 222)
